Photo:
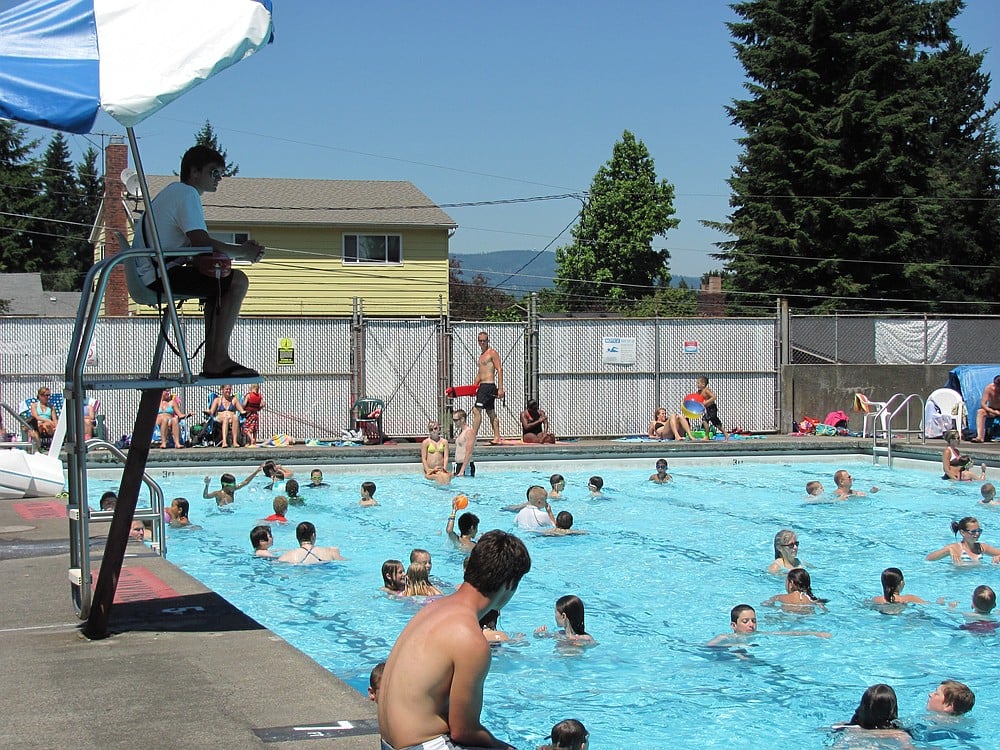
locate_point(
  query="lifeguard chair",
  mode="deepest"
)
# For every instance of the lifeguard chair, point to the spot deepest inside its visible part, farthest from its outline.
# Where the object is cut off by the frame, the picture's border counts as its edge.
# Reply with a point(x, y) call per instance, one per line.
point(366, 417)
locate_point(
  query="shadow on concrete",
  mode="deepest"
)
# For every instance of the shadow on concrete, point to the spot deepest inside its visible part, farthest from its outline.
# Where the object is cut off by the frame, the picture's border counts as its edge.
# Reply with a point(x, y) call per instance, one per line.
point(192, 613)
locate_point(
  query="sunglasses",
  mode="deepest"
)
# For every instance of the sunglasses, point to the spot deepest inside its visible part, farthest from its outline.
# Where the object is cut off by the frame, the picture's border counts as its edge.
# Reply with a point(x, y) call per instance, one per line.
point(791, 544)
point(973, 532)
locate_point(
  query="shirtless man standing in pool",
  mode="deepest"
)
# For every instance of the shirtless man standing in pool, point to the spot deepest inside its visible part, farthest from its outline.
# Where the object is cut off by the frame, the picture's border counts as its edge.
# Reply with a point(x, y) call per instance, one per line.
point(431, 694)
point(489, 378)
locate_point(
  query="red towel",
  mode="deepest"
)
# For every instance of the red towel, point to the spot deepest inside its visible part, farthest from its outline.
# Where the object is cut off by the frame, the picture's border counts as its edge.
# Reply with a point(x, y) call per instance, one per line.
point(460, 390)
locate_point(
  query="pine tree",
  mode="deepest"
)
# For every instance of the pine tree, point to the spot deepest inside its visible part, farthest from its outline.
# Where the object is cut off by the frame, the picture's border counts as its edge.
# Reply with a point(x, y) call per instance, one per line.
point(611, 261)
point(18, 189)
point(845, 187)
point(90, 191)
point(206, 137)
point(58, 235)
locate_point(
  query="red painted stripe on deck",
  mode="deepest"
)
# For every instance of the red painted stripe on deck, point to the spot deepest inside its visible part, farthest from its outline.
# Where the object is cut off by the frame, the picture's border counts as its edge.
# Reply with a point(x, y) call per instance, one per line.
point(139, 585)
point(36, 511)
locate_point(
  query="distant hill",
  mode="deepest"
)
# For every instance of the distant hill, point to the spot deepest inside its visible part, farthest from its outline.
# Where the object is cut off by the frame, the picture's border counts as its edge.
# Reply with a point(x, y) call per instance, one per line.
point(521, 272)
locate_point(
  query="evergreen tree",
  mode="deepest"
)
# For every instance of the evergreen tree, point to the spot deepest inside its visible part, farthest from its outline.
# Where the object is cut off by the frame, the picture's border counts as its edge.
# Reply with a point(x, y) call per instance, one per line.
point(867, 134)
point(477, 300)
point(611, 261)
point(18, 189)
point(206, 137)
point(58, 235)
point(90, 191)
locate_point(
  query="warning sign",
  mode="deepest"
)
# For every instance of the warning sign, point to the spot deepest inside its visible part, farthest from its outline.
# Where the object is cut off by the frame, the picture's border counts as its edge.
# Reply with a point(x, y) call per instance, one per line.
point(286, 352)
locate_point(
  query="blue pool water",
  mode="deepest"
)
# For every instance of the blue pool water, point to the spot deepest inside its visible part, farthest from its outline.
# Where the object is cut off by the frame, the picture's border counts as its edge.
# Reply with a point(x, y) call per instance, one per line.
point(658, 573)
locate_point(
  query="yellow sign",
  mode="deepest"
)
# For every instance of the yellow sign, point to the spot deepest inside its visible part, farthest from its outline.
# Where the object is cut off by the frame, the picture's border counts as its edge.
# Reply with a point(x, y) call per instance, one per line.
point(286, 352)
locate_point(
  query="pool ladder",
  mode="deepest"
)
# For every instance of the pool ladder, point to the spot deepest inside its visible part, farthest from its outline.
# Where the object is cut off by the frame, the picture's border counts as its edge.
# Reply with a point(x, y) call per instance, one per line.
point(896, 405)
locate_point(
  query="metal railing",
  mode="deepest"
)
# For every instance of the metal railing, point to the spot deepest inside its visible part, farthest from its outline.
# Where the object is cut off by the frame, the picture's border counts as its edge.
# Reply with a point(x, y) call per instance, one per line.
point(896, 404)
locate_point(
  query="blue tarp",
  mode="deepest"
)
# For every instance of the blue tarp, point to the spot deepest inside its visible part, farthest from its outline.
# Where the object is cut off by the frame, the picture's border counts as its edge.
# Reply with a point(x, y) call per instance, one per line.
point(970, 380)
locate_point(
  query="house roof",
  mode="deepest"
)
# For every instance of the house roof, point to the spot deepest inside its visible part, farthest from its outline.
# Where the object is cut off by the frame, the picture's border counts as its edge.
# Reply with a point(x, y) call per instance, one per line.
point(26, 297)
point(273, 200)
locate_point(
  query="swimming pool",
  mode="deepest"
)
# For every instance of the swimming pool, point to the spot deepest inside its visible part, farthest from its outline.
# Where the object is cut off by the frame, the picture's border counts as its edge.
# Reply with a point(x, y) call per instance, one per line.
point(658, 573)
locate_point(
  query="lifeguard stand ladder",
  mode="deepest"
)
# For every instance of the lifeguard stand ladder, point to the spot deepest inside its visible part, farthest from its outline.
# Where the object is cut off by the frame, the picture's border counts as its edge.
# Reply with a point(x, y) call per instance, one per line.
point(95, 607)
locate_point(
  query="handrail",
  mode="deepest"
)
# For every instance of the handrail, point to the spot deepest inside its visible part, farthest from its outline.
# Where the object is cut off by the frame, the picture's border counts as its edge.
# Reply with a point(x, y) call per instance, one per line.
point(901, 406)
point(34, 444)
point(80, 517)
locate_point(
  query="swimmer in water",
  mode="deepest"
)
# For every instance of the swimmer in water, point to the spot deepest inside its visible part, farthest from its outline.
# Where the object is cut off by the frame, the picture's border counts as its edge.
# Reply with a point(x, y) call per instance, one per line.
point(743, 620)
point(786, 550)
point(661, 476)
point(892, 589)
point(569, 617)
point(798, 596)
point(969, 549)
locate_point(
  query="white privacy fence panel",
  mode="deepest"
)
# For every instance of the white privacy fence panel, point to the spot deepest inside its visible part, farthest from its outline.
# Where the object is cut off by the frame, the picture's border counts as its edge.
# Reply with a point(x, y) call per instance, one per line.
point(400, 366)
point(587, 388)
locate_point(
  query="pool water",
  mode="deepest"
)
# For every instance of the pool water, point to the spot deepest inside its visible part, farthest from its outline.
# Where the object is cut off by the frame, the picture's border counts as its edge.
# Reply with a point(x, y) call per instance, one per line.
point(658, 573)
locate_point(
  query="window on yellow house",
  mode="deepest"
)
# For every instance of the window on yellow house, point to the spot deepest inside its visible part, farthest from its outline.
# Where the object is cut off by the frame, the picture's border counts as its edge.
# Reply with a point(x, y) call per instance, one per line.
point(373, 248)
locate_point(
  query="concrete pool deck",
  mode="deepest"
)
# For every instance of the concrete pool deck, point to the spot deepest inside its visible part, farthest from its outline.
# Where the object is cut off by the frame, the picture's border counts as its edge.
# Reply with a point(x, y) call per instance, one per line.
point(182, 667)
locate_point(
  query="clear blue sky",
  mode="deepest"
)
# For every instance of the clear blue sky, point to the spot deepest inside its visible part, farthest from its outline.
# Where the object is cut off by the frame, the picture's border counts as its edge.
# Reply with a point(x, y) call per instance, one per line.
point(475, 101)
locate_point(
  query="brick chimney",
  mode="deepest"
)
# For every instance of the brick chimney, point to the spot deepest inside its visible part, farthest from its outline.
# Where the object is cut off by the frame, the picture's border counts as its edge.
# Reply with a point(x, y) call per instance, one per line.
point(115, 160)
point(711, 298)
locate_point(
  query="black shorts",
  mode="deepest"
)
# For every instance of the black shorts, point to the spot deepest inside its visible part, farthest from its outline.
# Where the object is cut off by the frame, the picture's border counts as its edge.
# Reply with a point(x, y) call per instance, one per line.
point(486, 396)
point(470, 469)
point(190, 282)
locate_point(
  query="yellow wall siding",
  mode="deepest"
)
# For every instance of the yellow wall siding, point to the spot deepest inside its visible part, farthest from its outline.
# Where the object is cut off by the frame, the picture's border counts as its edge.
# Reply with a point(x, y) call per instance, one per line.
point(303, 274)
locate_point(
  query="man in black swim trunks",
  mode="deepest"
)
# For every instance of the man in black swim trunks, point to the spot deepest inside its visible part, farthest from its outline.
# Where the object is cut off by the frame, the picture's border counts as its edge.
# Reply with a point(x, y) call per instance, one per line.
point(489, 379)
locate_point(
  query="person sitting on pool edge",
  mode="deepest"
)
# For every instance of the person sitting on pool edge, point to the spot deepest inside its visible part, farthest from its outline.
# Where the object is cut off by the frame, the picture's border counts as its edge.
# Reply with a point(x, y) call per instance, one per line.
point(307, 553)
point(743, 620)
point(227, 494)
point(951, 697)
point(432, 687)
point(661, 476)
point(954, 464)
point(261, 538)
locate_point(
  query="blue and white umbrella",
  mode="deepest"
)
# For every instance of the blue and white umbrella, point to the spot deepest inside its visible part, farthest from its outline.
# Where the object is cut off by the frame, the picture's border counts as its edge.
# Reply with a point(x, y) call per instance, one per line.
point(63, 60)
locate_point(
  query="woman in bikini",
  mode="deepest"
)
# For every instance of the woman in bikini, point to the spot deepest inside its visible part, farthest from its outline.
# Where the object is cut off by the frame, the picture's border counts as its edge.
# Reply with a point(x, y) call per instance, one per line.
point(252, 405)
point(798, 596)
point(227, 409)
point(43, 420)
point(786, 550)
point(668, 427)
point(969, 549)
point(955, 465)
point(434, 454)
point(169, 417)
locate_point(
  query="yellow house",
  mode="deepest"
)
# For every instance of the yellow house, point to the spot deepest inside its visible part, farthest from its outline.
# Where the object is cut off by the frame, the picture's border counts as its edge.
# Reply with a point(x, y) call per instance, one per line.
point(329, 241)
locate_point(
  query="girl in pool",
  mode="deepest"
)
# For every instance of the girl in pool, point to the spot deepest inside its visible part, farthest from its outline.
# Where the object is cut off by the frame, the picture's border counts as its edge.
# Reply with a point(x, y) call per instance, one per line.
point(569, 617)
point(878, 711)
point(418, 583)
point(799, 596)
point(786, 549)
point(969, 549)
point(892, 589)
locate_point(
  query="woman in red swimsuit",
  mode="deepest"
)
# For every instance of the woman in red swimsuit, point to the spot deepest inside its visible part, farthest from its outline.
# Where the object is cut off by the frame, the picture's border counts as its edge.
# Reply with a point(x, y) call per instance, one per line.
point(252, 405)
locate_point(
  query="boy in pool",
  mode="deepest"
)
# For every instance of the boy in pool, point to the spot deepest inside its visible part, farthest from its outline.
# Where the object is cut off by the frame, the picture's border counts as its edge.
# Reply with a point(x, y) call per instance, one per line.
point(564, 525)
point(261, 539)
point(595, 485)
point(316, 479)
point(280, 507)
point(951, 697)
point(558, 483)
point(984, 600)
point(227, 494)
point(661, 476)
point(468, 527)
point(743, 619)
point(292, 491)
point(989, 493)
point(814, 488)
point(367, 495)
